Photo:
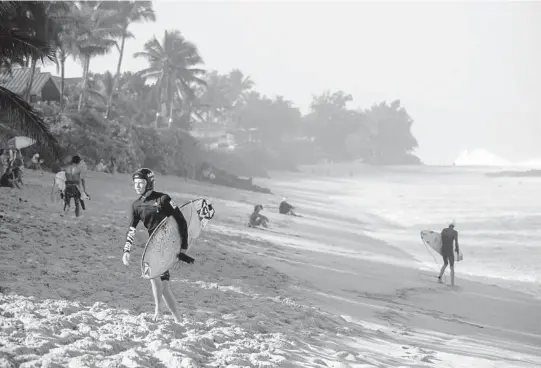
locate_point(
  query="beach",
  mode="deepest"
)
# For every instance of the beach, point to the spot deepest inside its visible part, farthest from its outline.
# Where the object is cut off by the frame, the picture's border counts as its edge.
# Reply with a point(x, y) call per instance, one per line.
point(349, 284)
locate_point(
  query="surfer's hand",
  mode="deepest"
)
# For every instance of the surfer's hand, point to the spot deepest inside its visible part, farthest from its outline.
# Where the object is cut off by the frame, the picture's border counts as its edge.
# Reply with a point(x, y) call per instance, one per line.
point(126, 259)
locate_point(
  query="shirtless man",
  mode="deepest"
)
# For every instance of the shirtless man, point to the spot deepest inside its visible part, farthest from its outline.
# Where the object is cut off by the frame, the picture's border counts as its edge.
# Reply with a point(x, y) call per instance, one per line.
point(75, 178)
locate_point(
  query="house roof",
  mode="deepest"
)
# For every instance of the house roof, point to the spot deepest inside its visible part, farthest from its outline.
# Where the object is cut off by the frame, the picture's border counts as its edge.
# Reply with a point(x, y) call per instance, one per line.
point(67, 81)
point(17, 80)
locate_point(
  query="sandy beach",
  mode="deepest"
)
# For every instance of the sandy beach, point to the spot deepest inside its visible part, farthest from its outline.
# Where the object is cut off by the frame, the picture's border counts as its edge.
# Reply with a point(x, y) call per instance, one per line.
point(315, 291)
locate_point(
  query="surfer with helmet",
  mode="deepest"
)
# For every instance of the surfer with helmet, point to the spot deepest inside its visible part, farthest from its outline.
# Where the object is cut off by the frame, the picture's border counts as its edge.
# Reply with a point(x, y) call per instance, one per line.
point(449, 236)
point(150, 208)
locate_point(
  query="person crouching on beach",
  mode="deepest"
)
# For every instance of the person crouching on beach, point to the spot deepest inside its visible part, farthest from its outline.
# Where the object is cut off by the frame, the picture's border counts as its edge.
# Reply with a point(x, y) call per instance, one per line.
point(151, 208)
point(449, 236)
point(11, 178)
point(256, 218)
point(285, 208)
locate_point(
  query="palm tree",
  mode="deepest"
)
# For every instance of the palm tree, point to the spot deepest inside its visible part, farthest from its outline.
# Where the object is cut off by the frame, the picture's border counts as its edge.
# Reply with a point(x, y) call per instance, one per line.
point(94, 36)
point(66, 43)
point(16, 45)
point(128, 12)
point(46, 21)
point(239, 86)
point(172, 66)
point(215, 98)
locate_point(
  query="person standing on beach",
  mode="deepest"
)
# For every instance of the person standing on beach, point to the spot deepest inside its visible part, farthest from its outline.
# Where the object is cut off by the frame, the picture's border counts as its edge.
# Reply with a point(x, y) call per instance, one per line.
point(151, 208)
point(449, 236)
point(75, 176)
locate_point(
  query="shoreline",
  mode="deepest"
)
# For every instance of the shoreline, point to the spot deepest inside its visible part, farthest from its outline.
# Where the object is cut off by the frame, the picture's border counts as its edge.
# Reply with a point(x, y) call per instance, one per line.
point(281, 180)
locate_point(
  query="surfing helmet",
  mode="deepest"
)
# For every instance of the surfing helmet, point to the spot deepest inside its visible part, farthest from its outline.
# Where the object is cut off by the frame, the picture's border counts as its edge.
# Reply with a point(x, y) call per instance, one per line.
point(147, 174)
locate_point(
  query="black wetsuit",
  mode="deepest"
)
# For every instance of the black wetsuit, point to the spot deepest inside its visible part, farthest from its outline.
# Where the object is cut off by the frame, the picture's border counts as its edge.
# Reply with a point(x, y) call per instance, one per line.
point(285, 208)
point(448, 237)
point(151, 210)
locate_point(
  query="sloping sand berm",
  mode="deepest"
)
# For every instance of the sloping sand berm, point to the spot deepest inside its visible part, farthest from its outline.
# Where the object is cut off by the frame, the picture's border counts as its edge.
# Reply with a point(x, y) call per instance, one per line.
point(253, 298)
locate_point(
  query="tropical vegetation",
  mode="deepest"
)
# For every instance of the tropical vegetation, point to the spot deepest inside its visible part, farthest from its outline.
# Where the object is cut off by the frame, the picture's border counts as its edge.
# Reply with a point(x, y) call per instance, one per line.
point(175, 114)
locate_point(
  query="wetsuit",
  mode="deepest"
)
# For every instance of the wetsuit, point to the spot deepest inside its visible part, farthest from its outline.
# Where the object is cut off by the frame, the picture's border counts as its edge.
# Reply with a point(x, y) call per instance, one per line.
point(284, 208)
point(151, 210)
point(448, 237)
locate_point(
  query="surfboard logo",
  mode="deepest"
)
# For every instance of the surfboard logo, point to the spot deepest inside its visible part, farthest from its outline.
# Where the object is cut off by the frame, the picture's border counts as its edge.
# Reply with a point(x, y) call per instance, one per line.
point(206, 212)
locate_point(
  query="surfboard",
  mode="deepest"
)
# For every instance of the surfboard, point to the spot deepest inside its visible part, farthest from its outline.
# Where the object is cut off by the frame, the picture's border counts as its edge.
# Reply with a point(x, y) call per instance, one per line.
point(163, 245)
point(433, 240)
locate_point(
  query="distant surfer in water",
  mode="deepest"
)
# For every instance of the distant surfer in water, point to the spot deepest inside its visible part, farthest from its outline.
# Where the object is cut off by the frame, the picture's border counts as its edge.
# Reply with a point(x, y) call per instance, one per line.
point(75, 178)
point(151, 208)
point(449, 236)
point(257, 219)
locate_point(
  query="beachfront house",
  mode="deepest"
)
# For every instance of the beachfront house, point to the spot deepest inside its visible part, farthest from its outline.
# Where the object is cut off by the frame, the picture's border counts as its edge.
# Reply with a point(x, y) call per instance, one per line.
point(44, 87)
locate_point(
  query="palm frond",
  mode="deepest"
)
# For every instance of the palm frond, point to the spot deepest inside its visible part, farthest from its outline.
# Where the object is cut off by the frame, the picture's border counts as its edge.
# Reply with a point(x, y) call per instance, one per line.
point(7, 7)
point(15, 43)
point(26, 118)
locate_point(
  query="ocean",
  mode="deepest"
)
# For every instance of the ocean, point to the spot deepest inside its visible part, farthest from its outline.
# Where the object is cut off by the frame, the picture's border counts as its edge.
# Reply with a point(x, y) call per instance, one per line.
point(498, 219)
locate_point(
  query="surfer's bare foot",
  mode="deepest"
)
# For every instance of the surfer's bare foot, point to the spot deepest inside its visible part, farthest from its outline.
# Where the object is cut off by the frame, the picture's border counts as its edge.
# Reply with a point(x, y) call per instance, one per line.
point(177, 318)
point(440, 280)
point(157, 316)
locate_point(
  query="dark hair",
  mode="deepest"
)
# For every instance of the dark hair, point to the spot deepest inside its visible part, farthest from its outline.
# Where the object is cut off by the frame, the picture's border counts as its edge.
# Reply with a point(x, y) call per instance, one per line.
point(75, 159)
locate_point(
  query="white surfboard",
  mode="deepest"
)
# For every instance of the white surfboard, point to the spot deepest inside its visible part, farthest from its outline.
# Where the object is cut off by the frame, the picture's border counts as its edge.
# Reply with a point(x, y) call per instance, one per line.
point(433, 240)
point(163, 245)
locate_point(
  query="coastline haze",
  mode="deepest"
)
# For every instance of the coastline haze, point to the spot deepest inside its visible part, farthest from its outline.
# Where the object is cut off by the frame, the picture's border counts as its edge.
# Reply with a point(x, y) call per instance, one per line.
point(467, 73)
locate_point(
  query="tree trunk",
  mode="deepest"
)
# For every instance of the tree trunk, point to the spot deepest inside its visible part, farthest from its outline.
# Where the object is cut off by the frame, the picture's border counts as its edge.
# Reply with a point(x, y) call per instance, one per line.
point(158, 87)
point(86, 65)
point(170, 120)
point(117, 75)
point(62, 78)
point(30, 82)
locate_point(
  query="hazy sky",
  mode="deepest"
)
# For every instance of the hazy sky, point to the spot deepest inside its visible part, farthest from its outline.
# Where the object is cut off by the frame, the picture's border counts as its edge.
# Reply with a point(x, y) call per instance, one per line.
point(468, 73)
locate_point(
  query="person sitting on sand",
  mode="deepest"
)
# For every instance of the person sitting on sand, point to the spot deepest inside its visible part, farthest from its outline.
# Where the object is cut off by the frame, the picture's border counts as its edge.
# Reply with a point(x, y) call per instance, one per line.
point(36, 163)
point(75, 176)
point(151, 208)
point(12, 178)
point(286, 209)
point(256, 218)
point(101, 167)
point(449, 236)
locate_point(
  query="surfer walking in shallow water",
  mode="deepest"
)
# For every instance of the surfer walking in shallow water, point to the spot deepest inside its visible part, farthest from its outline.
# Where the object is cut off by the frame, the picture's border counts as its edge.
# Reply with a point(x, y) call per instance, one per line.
point(449, 237)
point(151, 208)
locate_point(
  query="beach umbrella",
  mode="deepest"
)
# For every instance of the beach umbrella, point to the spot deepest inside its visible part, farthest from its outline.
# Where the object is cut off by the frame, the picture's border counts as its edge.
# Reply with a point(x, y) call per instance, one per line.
point(20, 142)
